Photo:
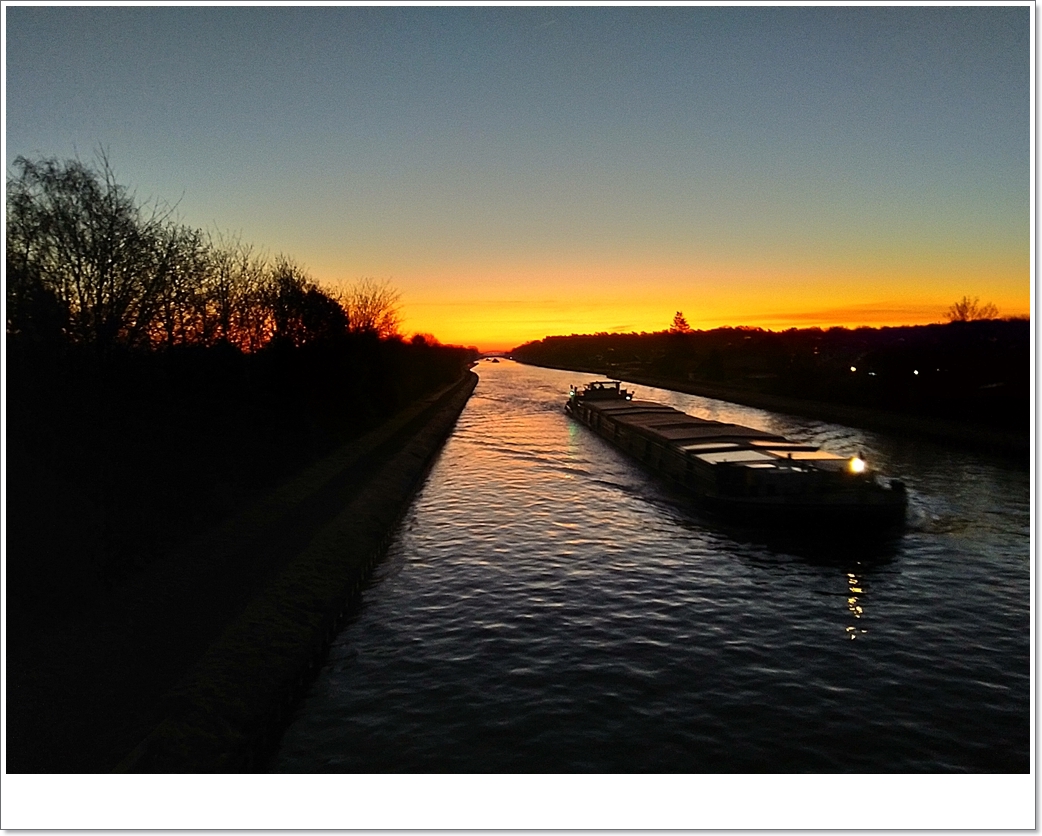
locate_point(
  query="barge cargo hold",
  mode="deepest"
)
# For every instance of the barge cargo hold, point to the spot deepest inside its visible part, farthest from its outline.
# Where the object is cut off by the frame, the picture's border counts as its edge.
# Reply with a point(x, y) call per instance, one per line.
point(748, 475)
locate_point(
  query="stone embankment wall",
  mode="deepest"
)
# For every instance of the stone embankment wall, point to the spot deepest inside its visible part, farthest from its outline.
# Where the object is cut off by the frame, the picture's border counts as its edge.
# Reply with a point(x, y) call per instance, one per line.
point(229, 710)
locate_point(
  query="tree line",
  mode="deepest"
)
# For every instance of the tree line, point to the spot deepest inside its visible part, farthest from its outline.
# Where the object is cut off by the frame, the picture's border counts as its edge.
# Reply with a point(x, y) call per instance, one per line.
point(973, 369)
point(160, 376)
point(88, 264)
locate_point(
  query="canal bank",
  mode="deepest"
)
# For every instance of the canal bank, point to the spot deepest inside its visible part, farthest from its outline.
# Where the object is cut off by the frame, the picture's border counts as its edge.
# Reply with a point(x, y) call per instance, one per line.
point(225, 712)
point(947, 431)
point(129, 666)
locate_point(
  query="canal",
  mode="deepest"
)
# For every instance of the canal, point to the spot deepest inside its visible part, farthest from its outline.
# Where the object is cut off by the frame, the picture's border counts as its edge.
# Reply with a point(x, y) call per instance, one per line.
point(549, 606)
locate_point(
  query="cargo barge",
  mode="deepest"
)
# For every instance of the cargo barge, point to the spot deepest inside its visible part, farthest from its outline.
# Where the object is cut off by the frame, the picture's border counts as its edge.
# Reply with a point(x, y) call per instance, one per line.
point(747, 475)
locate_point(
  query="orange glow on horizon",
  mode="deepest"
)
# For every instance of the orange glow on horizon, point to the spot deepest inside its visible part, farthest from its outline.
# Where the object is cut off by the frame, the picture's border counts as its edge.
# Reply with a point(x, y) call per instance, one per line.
point(500, 325)
point(495, 306)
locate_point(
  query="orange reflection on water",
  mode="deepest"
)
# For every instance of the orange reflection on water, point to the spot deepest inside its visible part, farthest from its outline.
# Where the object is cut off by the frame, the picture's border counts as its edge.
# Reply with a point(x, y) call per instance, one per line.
point(854, 605)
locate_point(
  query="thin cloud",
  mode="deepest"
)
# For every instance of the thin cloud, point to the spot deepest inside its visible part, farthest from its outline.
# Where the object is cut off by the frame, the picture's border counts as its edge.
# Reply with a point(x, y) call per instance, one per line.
point(856, 314)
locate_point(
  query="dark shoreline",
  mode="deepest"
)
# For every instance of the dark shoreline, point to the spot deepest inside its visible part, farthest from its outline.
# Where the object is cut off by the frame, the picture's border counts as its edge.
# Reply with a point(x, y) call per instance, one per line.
point(969, 436)
point(228, 712)
point(193, 664)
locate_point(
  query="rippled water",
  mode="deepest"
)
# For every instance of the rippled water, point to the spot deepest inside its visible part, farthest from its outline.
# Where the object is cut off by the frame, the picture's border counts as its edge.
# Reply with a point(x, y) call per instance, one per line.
point(547, 605)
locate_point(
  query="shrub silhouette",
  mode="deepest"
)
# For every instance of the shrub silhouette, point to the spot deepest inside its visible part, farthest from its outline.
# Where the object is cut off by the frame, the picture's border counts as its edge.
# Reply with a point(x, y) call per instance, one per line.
point(970, 310)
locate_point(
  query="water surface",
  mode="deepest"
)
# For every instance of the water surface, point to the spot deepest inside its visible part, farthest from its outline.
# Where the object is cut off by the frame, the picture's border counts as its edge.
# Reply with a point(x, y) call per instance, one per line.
point(548, 605)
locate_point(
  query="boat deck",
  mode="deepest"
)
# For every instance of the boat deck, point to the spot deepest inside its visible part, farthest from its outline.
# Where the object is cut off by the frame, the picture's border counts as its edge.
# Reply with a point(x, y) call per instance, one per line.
point(713, 442)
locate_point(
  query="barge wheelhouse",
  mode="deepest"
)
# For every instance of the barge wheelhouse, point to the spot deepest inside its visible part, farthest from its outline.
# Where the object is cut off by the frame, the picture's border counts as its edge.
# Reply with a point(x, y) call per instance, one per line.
point(747, 474)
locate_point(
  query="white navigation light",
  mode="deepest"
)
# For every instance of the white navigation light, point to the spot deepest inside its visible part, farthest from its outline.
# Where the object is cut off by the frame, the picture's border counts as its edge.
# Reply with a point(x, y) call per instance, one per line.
point(857, 465)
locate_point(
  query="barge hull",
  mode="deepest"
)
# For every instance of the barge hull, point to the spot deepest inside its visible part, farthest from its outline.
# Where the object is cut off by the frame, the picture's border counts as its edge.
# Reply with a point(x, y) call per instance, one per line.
point(740, 473)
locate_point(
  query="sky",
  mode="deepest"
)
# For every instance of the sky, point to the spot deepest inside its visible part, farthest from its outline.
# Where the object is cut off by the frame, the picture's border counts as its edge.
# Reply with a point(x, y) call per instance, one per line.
point(518, 172)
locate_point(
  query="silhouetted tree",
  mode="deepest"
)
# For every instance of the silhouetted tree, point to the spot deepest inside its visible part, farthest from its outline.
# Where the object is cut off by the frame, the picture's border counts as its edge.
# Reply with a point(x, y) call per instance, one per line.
point(183, 262)
point(680, 325)
point(232, 305)
point(302, 313)
point(969, 310)
point(75, 233)
point(372, 308)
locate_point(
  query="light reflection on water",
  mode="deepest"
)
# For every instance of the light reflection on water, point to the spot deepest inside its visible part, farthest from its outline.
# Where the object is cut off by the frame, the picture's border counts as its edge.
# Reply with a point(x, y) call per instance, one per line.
point(547, 605)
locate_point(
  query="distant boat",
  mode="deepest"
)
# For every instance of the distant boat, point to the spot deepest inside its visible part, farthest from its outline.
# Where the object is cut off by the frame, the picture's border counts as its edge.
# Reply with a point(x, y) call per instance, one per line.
point(746, 474)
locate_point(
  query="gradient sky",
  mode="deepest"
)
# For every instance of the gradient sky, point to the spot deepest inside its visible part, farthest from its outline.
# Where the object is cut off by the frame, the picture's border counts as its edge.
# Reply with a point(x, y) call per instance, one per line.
point(519, 172)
